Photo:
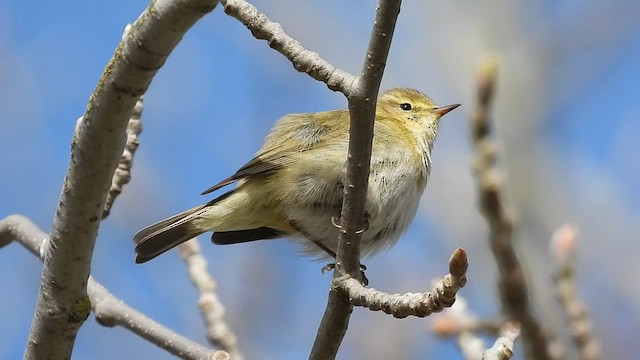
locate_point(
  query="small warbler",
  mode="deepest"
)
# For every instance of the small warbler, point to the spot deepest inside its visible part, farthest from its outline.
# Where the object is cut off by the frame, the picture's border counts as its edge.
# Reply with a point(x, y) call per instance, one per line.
point(294, 186)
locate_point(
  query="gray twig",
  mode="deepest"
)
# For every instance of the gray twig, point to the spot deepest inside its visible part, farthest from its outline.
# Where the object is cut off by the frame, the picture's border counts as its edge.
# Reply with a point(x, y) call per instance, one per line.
point(302, 59)
point(211, 308)
point(109, 310)
point(122, 175)
point(442, 295)
point(362, 105)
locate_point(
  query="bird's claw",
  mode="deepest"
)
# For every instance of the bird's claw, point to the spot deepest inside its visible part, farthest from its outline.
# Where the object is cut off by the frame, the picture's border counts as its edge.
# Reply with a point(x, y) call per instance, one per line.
point(332, 266)
point(328, 267)
point(364, 281)
point(335, 221)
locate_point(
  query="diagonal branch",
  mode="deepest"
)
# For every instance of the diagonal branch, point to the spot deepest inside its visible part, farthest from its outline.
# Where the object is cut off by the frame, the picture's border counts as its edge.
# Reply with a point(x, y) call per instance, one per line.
point(95, 150)
point(218, 332)
point(109, 310)
point(303, 60)
point(512, 284)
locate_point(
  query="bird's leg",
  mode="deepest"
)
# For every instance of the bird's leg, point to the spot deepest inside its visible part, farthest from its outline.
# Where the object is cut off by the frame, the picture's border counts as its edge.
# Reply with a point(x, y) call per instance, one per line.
point(332, 266)
point(335, 221)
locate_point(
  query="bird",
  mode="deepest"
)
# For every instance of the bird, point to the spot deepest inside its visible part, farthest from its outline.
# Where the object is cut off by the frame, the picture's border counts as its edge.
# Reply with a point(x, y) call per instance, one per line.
point(294, 186)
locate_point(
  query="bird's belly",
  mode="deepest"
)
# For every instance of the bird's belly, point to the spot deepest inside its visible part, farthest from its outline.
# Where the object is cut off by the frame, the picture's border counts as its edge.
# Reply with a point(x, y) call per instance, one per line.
point(392, 201)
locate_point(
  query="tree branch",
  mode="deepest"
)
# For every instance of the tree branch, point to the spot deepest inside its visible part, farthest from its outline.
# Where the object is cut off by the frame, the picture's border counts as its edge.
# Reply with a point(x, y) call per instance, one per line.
point(211, 308)
point(302, 59)
point(442, 296)
point(362, 106)
point(97, 145)
point(512, 284)
point(563, 245)
point(109, 310)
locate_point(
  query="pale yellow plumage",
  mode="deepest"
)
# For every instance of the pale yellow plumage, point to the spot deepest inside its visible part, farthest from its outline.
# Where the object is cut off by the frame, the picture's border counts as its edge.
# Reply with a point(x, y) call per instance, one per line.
point(294, 185)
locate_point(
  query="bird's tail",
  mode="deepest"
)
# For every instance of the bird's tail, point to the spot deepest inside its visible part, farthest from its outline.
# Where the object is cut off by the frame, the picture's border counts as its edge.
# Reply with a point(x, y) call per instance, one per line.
point(157, 238)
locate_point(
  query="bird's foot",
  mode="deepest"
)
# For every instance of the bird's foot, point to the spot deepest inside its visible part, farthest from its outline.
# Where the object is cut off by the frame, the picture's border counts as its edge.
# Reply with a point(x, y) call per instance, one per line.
point(332, 266)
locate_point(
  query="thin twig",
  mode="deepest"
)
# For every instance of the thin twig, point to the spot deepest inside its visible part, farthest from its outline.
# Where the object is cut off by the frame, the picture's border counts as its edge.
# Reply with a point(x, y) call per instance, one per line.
point(302, 59)
point(96, 148)
point(503, 347)
point(109, 310)
point(512, 283)
point(362, 105)
point(218, 332)
point(442, 295)
point(563, 246)
point(122, 175)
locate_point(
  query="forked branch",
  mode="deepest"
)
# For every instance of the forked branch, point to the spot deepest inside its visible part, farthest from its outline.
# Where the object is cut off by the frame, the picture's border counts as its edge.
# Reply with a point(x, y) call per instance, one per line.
point(109, 310)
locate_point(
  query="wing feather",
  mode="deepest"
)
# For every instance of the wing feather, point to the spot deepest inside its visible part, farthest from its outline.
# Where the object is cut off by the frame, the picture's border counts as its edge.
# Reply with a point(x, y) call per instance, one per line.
point(291, 135)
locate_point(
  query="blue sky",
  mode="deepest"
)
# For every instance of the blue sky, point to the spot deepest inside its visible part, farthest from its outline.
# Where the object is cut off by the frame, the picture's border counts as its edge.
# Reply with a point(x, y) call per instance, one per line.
point(566, 117)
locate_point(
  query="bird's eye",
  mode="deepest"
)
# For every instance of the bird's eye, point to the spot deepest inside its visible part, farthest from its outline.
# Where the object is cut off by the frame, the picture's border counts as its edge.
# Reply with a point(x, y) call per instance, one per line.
point(405, 106)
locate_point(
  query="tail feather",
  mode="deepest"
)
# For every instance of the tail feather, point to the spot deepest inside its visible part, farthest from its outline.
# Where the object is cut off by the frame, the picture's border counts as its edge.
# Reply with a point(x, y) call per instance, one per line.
point(157, 238)
point(230, 216)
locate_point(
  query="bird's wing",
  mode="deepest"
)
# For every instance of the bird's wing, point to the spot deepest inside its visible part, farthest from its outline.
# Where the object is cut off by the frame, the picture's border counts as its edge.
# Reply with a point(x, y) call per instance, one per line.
point(257, 166)
point(292, 134)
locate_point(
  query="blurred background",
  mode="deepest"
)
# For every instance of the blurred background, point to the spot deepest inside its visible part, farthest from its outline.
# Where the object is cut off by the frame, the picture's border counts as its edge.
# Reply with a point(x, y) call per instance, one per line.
point(566, 114)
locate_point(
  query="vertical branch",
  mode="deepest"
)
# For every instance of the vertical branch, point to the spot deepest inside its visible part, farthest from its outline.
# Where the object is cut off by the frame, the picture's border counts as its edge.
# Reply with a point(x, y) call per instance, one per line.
point(362, 109)
point(63, 304)
point(563, 246)
point(512, 284)
point(362, 106)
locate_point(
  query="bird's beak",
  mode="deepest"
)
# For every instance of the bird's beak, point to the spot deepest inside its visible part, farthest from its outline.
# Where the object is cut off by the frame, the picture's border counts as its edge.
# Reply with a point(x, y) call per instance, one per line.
point(443, 110)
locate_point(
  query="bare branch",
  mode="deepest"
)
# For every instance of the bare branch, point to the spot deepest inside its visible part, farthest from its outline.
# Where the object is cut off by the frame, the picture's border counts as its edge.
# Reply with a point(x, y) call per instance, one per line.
point(302, 59)
point(503, 347)
point(442, 296)
point(362, 109)
point(18, 227)
point(109, 310)
point(211, 308)
point(362, 105)
point(512, 284)
point(95, 150)
point(563, 245)
point(122, 175)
